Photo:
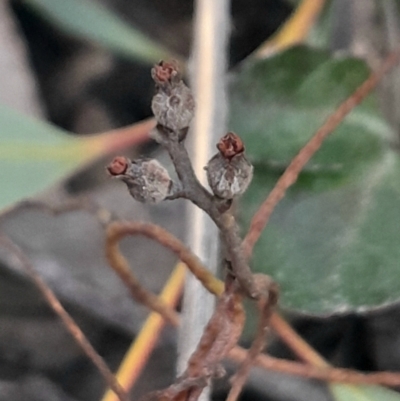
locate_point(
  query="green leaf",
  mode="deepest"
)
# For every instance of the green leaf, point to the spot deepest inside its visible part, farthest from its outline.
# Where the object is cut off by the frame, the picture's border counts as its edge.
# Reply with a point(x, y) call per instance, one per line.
point(334, 249)
point(332, 242)
point(91, 21)
point(277, 104)
point(345, 392)
point(34, 154)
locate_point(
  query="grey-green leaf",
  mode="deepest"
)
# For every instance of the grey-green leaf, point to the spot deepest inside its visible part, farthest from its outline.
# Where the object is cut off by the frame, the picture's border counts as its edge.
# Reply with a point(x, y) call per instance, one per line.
point(35, 154)
point(332, 244)
point(333, 249)
point(92, 21)
point(277, 104)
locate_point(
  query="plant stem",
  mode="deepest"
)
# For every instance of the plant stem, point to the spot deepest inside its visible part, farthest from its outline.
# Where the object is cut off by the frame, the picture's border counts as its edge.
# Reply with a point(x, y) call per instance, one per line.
point(193, 190)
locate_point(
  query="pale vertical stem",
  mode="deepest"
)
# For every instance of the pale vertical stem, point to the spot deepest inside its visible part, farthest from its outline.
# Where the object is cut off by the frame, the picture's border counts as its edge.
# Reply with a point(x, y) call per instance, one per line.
point(17, 83)
point(208, 79)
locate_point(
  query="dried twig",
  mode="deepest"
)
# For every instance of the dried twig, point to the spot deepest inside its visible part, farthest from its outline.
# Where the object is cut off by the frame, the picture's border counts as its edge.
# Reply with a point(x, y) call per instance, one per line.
point(289, 177)
point(69, 323)
point(266, 305)
point(328, 374)
point(114, 233)
point(118, 230)
point(220, 335)
point(136, 357)
point(295, 342)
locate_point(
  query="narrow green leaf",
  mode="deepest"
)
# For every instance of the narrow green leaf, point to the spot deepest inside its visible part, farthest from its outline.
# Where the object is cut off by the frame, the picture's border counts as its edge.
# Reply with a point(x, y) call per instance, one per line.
point(34, 154)
point(91, 21)
point(345, 392)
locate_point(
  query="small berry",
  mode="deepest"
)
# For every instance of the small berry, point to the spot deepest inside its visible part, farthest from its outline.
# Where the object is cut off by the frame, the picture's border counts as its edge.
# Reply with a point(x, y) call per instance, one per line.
point(147, 180)
point(229, 173)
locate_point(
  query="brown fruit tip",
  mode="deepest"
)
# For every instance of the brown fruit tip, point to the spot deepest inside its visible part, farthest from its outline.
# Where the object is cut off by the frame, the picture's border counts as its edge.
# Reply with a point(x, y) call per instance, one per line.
point(118, 166)
point(165, 72)
point(230, 145)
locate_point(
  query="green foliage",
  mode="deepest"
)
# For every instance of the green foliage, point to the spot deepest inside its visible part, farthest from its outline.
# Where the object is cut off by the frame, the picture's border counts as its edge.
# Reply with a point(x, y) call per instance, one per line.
point(34, 154)
point(91, 21)
point(277, 105)
point(331, 243)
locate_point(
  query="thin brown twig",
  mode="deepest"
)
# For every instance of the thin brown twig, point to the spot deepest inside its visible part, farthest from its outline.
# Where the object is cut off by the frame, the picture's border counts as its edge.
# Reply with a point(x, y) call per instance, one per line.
point(146, 340)
point(69, 323)
point(240, 377)
point(116, 231)
point(289, 177)
point(328, 374)
point(295, 342)
point(221, 334)
point(266, 305)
